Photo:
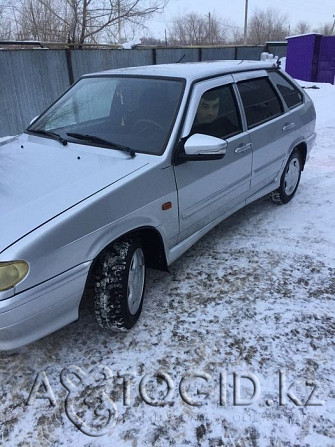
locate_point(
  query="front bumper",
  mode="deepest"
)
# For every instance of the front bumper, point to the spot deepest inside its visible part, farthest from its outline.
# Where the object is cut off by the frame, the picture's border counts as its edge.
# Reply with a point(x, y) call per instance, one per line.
point(37, 312)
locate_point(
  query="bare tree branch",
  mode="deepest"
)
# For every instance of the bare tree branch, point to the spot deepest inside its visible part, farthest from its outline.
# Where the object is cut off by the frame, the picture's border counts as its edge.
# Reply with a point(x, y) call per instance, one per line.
point(267, 25)
point(195, 29)
point(80, 21)
point(302, 28)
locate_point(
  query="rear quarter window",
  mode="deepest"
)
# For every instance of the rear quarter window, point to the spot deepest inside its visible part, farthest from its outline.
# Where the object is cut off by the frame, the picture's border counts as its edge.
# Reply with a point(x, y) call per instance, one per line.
point(291, 95)
point(260, 101)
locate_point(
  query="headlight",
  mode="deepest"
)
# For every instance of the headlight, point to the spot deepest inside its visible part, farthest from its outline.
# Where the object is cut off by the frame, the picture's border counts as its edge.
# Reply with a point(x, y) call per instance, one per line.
point(11, 273)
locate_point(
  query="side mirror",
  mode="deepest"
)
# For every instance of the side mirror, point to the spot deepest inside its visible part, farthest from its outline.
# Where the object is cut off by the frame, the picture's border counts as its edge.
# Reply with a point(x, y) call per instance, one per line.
point(204, 147)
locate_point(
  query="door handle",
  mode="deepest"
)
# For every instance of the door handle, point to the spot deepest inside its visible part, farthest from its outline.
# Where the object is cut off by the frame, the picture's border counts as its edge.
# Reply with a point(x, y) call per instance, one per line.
point(288, 126)
point(243, 148)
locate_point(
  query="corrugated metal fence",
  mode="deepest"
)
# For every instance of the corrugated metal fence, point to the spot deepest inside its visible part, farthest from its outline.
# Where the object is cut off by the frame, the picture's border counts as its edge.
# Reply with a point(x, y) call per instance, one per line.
point(31, 79)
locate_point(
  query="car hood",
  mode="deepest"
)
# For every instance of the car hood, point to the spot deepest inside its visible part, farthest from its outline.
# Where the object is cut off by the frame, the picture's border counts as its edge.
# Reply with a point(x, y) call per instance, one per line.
point(40, 178)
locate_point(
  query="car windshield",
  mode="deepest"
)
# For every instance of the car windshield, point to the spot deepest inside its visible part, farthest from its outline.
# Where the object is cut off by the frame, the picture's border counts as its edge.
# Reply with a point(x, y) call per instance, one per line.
point(129, 113)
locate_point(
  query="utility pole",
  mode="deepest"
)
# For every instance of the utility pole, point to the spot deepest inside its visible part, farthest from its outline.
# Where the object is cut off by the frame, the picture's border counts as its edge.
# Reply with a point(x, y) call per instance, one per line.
point(245, 23)
point(119, 20)
point(209, 28)
point(332, 31)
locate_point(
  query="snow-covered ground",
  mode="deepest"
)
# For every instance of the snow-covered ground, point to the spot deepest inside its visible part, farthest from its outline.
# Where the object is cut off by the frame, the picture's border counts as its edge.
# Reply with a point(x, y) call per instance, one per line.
point(231, 343)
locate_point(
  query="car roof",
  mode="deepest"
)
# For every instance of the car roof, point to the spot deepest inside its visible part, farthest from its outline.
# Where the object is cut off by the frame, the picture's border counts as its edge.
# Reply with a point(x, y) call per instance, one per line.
point(191, 70)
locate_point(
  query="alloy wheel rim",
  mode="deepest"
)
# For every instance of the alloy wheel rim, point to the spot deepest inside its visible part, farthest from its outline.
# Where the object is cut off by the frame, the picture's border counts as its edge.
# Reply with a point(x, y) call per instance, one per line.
point(292, 176)
point(136, 281)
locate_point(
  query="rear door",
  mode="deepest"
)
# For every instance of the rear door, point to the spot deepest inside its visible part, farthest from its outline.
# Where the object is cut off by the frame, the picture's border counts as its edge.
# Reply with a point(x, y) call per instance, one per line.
point(272, 131)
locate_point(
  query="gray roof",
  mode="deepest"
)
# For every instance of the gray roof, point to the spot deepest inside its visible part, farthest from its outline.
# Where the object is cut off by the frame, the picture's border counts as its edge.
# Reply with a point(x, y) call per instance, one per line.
point(191, 70)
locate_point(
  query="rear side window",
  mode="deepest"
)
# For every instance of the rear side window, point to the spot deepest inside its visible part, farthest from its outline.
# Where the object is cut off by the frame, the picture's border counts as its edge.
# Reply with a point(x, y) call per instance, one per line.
point(289, 92)
point(260, 101)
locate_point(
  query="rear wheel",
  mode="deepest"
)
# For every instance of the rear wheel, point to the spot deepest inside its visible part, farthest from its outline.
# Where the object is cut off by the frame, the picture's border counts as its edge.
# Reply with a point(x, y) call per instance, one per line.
point(119, 285)
point(289, 181)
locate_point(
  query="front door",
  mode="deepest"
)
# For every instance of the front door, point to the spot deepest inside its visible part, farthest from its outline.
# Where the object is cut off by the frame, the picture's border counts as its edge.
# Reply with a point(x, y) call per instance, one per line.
point(208, 189)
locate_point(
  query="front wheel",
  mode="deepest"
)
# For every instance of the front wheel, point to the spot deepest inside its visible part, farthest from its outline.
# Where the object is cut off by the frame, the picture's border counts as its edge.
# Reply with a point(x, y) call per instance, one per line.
point(289, 180)
point(119, 285)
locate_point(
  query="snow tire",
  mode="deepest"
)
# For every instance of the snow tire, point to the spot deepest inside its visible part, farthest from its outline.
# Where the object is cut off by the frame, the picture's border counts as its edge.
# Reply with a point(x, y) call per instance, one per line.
point(119, 285)
point(289, 180)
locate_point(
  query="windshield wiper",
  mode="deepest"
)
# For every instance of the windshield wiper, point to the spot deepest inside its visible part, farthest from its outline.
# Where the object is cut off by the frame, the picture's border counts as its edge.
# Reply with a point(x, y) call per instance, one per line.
point(49, 134)
point(94, 139)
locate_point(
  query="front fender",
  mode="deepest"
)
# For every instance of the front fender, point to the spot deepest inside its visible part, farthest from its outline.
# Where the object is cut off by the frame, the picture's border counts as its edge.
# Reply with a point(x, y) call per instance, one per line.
point(81, 233)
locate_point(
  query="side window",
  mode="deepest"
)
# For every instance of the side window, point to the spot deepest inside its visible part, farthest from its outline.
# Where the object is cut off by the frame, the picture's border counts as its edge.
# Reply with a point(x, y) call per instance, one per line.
point(260, 101)
point(290, 93)
point(217, 114)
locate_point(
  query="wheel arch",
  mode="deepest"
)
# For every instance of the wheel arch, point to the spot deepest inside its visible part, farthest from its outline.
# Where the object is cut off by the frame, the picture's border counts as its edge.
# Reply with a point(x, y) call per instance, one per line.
point(153, 247)
point(302, 148)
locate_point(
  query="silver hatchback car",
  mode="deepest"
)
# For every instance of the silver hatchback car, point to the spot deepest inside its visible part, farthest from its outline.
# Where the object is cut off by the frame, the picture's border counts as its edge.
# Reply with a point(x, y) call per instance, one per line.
point(127, 170)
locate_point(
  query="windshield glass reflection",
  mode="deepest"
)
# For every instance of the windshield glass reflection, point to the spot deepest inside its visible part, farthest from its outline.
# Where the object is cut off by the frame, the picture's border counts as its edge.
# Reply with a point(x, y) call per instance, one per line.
point(134, 112)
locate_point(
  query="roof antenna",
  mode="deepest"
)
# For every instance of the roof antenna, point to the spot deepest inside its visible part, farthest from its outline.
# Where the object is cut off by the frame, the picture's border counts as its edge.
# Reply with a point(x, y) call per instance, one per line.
point(178, 62)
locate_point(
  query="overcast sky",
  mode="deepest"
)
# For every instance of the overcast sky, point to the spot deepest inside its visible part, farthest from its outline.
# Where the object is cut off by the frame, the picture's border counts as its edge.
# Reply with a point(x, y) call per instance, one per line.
point(316, 13)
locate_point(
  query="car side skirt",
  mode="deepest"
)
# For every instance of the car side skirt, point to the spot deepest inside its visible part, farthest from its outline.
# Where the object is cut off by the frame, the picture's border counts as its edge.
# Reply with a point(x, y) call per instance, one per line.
point(187, 243)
